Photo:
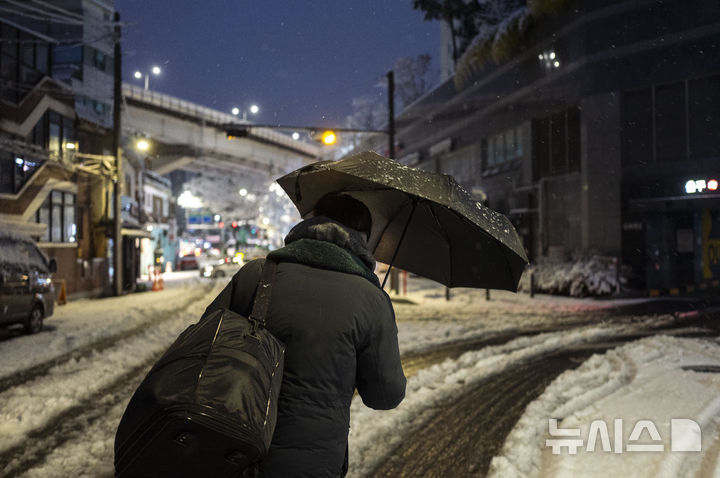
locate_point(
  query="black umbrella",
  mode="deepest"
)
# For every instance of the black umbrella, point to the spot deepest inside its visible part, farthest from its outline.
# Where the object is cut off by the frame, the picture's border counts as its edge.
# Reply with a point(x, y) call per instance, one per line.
point(423, 222)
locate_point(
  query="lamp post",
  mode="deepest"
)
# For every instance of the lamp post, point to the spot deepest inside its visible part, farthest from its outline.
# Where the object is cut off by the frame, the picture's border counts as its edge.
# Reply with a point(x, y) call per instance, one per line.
point(254, 109)
point(155, 70)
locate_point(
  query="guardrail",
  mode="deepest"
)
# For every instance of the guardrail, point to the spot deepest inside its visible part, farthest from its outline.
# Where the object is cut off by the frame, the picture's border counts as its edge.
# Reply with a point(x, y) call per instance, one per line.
point(200, 112)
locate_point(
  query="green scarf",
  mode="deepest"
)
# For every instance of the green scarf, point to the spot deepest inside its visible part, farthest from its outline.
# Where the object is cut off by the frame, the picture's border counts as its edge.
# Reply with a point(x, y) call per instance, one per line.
point(314, 243)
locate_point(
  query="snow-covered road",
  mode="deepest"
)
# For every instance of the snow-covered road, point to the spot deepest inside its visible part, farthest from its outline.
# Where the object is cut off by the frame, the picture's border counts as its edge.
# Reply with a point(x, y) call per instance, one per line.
point(59, 421)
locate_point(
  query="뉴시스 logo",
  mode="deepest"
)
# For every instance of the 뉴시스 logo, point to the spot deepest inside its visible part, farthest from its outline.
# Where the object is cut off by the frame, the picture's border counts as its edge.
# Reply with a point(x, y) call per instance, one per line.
point(685, 436)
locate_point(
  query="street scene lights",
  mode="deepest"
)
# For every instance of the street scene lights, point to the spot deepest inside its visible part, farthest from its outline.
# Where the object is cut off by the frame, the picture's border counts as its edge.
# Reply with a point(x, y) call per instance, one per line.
point(254, 109)
point(549, 59)
point(155, 70)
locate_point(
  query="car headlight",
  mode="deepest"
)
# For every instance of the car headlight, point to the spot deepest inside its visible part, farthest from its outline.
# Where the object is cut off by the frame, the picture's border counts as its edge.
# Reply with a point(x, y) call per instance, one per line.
point(207, 271)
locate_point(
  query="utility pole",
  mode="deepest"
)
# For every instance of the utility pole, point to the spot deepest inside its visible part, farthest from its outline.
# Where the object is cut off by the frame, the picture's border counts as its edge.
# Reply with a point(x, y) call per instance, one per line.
point(394, 273)
point(391, 114)
point(117, 131)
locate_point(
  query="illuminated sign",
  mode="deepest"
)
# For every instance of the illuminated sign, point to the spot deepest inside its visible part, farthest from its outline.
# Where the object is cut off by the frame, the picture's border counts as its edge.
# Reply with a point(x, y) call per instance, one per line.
point(694, 186)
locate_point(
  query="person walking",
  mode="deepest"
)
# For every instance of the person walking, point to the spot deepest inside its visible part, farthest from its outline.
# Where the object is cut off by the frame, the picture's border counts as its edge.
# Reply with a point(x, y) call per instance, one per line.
point(338, 326)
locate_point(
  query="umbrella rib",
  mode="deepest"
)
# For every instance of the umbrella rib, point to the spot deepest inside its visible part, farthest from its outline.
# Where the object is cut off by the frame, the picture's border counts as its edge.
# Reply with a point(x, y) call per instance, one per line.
point(402, 236)
point(447, 239)
point(387, 224)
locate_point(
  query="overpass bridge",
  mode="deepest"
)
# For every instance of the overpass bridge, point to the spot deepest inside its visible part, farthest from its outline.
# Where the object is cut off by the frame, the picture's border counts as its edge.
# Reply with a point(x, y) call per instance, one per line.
point(185, 135)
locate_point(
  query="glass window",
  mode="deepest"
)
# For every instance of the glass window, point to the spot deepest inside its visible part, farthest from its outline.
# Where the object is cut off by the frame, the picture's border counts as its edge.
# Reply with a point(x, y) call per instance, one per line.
point(491, 152)
point(573, 139)
point(518, 141)
point(42, 60)
point(8, 41)
point(69, 225)
point(28, 75)
point(56, 205)
point(499, 148)
point(541, 147)
point(54, 140)
point(9, 71)
point(19, 174)
point(6, 172)
point(69, 135)
point(68, 54)
point(557, 141)
point(37, 136)
point(27, 50)
point(99, 60)
point(43, 217)
point(484, 153)
point(59, 213)
point(670, 123)
point(704, 105)
point(510, 144)
point(637, 128)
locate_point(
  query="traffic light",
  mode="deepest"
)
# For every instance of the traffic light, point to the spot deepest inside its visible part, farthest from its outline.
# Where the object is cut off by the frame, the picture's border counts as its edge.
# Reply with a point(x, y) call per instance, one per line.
point(328, 137)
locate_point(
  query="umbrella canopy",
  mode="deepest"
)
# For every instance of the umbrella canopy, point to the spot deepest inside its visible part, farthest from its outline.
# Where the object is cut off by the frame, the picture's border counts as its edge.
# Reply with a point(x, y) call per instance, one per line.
point(423, 222)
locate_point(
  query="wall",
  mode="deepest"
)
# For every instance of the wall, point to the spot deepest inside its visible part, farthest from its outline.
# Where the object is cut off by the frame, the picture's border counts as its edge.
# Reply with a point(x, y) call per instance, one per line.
point(600, 174)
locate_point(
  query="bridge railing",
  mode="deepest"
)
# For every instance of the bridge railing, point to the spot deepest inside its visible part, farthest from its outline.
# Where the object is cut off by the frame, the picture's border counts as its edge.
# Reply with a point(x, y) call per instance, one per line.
point(188, 108)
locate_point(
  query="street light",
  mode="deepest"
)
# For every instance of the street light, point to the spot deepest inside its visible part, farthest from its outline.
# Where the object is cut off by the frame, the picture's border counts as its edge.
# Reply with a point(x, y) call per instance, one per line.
point(155, 70)
point(254, 109)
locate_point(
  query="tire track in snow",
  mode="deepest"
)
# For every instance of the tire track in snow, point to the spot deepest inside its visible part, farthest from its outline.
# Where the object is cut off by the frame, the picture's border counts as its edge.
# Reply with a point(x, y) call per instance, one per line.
point(72, 425)
point(105, 343)
point(467, 431)
point(71, 422)
point(463, 433)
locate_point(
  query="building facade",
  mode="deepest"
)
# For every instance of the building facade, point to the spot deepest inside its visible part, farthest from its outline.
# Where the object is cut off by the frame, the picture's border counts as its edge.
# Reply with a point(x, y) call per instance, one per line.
point(600, 134)
point(48, 189)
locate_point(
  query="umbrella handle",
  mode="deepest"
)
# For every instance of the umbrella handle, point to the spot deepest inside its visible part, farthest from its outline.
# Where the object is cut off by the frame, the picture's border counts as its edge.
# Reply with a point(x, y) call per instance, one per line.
point(402, 236)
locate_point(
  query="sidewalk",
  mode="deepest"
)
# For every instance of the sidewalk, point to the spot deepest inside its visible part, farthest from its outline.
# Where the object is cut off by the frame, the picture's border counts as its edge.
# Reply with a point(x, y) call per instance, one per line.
point(423, 292)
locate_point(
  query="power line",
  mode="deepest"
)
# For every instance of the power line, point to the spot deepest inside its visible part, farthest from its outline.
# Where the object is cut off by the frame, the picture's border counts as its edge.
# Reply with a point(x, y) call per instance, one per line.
point(28, 15)
point(58, 9)
point(44, 15)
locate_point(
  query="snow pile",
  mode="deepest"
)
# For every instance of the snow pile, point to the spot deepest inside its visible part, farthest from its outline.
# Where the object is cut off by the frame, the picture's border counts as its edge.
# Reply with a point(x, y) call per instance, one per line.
point(35, 404)
point(643, 380)
point(32, 405)
point(82, 322)
point(374, 433)
point(595, 276)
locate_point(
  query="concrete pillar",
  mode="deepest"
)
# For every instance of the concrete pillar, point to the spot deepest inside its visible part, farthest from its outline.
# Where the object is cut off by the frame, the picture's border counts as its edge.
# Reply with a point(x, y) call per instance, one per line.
point(600, 172)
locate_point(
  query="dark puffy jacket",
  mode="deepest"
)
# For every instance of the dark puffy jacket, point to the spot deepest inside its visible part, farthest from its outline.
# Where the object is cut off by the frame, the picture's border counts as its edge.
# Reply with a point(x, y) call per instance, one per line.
point(339, 329)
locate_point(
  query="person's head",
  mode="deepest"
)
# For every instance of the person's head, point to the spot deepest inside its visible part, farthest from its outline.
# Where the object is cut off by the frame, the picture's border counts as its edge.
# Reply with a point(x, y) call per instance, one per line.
point(346, 210)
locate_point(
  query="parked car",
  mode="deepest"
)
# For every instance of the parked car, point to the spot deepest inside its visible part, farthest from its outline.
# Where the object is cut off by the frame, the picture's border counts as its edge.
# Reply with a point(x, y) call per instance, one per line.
point(222, 267)
point(27, 295)
point(188, 262)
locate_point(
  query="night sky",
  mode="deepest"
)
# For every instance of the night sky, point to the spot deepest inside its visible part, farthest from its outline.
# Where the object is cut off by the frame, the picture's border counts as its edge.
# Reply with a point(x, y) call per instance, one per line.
point(301, 61)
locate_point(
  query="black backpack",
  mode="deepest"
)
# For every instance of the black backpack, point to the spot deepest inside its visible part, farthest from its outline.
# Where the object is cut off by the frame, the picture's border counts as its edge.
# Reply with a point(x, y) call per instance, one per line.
point(209, 405)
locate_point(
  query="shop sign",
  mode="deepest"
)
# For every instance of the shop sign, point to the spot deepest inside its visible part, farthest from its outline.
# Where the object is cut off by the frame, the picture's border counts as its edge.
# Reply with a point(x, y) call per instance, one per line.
point(632, 226)
point(694, 186)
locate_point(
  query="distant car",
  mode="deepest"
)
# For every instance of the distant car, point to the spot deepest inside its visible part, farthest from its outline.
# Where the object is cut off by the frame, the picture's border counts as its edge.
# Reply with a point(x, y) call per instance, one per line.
point(221, 268)
point(187, 263)
point(27, 295)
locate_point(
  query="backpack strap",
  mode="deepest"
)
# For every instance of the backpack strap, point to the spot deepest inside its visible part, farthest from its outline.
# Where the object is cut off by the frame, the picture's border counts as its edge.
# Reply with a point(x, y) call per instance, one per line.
point(264, 290)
